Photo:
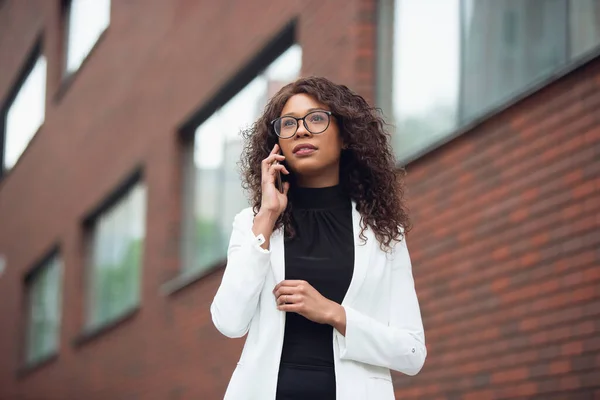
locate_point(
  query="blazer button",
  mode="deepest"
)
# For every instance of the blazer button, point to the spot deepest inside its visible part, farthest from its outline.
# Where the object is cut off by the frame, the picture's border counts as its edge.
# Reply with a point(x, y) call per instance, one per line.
point(413, 350)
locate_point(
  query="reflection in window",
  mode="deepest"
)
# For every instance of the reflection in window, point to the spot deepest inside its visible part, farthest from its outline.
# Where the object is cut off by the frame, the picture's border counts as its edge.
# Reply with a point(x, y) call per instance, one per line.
point(43, 317)
point(218, 195)
point(26, 113)
point(426, 77)
point(508, 44)
point(584, 25)
point(87, 19)
point(116, 258)
point(454, 60)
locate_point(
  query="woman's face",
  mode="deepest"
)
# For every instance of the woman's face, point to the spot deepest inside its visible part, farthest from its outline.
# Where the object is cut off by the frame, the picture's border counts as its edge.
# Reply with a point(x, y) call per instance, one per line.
point(314, 158)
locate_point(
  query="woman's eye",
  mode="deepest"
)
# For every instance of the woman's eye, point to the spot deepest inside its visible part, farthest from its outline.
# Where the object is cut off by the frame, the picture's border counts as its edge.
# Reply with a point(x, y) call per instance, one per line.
point(316, 118)
point(288, 122)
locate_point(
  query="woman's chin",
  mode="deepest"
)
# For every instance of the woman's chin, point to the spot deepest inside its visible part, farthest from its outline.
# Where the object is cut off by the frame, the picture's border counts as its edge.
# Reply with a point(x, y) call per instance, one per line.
point(307, 166)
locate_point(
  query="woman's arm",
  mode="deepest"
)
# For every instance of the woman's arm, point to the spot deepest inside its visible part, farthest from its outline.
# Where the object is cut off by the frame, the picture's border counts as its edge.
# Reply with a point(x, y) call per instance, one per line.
point(400, 345)
point(236, 300)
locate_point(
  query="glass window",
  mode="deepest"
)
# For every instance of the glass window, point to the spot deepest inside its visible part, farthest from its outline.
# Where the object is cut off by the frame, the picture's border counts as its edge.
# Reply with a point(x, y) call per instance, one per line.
point(455, 60)
point(217, 192)
point(44, 302)
point(26, 113)
point(584, 26)
point(508, 45)
point(87, 19)
point(426, 73)
point(116, 258)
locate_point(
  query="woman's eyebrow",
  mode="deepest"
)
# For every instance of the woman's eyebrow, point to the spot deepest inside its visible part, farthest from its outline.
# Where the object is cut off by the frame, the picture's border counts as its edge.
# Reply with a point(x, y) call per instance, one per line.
point(306, 112)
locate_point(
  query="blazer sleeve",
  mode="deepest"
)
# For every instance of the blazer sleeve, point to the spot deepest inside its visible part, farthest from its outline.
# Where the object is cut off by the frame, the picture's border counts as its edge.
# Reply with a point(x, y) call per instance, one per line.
point(399, 345)
point(236, 300)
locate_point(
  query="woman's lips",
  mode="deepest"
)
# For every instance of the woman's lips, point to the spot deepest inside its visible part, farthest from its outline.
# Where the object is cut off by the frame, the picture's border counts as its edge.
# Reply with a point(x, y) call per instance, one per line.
point(305, 151)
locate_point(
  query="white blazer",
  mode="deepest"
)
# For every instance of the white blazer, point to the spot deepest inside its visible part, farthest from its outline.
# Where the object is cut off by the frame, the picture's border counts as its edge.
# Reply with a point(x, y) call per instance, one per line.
point(384, 329)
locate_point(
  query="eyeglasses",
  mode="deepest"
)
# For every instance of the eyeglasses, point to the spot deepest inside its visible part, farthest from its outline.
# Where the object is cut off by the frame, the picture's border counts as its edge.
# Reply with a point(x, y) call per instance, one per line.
point(315, 122)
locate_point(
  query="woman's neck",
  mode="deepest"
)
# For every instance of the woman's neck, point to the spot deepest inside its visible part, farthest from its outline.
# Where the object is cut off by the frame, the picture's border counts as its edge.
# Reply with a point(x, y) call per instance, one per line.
point(319, 180)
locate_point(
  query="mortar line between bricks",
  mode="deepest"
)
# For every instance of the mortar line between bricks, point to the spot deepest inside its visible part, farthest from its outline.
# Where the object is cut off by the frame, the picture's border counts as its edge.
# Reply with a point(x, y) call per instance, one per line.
point(515, 348)
point(518, 365)
point(509, 305)
point(513, 229)
point(480, 260)
point(522, 177)
point(435, 287)
point(512, 143)
point(466, 327)
point(516, 181)
point(442, 380)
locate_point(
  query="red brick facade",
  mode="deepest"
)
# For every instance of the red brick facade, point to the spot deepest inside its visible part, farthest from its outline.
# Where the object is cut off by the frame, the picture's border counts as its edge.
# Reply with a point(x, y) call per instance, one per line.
point(506, 251)
point(507, 216)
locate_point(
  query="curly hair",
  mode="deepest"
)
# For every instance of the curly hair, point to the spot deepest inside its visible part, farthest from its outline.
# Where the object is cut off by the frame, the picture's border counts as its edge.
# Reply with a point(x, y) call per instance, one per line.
point(367, 165)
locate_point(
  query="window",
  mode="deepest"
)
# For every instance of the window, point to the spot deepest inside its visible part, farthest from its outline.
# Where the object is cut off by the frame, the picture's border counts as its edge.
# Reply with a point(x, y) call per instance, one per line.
point(426, 72)
point(117, 242)
point(216, 192)
point(25, 114)
point(585, 26)
point(43, 289)
point(508, 45)
point(455, 60)
point(86, 20)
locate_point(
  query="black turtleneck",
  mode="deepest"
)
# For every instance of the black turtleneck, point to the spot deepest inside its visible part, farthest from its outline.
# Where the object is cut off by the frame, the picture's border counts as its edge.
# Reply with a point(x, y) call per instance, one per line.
point(321, 253)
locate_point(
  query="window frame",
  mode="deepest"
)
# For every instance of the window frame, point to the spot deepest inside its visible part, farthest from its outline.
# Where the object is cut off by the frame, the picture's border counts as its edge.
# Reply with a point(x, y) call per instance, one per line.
point(89, 224)
point(278, 45)
point(52, 256)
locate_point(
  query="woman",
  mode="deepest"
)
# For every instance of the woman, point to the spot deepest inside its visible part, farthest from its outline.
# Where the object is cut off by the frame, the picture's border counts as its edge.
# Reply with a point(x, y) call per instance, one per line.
point(318, 272)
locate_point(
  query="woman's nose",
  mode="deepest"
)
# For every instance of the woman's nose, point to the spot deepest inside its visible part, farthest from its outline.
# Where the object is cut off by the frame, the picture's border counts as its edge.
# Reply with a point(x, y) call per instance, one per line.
point(302, 131)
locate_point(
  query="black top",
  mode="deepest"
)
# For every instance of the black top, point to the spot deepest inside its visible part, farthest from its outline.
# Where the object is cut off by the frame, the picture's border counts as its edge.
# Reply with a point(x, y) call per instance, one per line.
point(321, 253)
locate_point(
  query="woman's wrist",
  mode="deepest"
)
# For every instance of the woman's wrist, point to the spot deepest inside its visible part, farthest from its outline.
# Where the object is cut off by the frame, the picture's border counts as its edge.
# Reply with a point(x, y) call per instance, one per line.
point(264, 222)
point(337, 317)
point(267, 216)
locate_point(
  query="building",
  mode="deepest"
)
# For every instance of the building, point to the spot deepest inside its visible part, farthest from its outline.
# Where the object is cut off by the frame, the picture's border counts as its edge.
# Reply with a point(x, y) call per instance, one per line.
point(119, 133)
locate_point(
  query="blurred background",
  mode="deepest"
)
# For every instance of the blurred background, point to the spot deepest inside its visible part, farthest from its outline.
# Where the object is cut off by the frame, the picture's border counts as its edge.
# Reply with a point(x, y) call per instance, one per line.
point(119, 138)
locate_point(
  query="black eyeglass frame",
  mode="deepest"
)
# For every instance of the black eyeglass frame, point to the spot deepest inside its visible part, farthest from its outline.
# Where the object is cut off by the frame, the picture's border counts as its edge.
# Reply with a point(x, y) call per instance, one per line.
point(329, 115)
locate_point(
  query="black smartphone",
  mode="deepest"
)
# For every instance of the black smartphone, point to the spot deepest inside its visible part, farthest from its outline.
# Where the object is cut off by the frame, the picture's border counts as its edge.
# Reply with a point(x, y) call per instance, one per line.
point(278, 180)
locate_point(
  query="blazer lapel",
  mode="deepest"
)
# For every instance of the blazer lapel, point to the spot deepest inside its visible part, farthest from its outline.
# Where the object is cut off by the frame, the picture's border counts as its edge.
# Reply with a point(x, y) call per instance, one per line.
point(361, 256)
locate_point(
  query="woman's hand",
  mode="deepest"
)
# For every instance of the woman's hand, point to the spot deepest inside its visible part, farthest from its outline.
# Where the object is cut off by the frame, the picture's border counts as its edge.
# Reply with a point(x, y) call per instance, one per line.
point(273, 201)
point(300, 297)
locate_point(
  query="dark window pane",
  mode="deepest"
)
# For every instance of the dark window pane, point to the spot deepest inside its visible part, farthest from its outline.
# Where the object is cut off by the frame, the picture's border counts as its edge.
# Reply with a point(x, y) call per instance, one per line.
point(508, 45)
point(584, 26)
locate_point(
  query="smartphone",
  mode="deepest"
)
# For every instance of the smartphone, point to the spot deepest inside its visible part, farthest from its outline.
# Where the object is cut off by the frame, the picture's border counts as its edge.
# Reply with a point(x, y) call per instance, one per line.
point(278, 181)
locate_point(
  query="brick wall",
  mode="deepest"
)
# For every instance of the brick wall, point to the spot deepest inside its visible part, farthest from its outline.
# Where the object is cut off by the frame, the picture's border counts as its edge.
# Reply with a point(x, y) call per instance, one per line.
point(506, 251)
point(158, 62)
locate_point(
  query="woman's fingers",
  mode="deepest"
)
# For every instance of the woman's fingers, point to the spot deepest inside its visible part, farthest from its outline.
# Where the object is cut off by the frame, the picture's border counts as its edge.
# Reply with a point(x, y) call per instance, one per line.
point(289, 299)
point(269, 161)
point(292, 307)
point(273, 156)
point(289, 283)
point(275, 149)
point(287, 294)
point(285, 290)
point(271, 164)
point(277, 167)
